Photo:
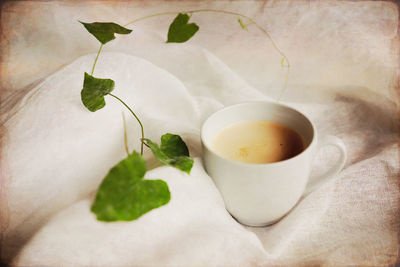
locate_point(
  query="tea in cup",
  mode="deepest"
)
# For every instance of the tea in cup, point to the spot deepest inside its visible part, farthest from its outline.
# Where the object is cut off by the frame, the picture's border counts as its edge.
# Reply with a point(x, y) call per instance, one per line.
point(259, 155)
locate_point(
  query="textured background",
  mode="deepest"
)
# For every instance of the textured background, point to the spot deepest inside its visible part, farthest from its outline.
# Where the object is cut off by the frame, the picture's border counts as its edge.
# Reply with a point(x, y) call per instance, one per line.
point(345, 71)
point(327, 42)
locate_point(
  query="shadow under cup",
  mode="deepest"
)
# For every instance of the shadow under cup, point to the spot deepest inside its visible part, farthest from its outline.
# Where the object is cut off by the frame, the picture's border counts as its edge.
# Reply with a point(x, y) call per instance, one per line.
point(259, 194)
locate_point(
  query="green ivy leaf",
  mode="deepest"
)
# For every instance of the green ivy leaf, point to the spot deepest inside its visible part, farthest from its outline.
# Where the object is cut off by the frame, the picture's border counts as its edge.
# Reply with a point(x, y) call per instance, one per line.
point(125, 195)
point(94, 90)
point(244, 27)
point(173, 152)
point(104, 31)
point(180, 30)
point(173, 146)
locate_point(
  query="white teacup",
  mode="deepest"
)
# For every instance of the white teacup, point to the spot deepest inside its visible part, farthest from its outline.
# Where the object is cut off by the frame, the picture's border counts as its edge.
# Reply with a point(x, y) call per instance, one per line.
point(261, 194)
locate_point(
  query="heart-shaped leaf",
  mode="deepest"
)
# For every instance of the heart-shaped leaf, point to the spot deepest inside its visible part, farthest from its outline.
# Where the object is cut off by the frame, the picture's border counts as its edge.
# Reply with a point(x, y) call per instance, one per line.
point(104, 31)
point(180, 30)
point(173, 145)
point(125, 195)
point(173, 152)
point(94, 90)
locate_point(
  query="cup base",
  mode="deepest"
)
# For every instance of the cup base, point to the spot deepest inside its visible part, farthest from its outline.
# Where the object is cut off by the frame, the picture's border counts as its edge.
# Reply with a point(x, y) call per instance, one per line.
point(246, 223)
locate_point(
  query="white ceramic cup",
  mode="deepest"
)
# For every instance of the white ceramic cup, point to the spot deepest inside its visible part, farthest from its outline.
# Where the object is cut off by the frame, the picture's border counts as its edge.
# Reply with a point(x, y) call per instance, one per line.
point(261, 194)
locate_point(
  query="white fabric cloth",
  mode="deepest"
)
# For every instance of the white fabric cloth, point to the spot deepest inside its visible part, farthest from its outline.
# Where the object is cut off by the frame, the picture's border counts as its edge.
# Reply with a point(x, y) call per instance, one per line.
point(63, 156)
point(55, 153)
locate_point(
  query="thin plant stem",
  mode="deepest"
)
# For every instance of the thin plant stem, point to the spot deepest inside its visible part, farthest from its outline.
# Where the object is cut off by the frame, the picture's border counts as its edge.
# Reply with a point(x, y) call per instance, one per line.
point(97, 57)
point(252, 21)
point(125, 135)
point(133, 113)
point(151, 16)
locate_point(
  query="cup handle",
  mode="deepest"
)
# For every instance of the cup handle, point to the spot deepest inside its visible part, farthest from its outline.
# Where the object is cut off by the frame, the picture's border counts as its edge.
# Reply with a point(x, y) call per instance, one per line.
point(328, 140)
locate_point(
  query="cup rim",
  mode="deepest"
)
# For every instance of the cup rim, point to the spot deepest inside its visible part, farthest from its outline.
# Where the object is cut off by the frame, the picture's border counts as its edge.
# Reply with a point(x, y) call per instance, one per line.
point(247, 164)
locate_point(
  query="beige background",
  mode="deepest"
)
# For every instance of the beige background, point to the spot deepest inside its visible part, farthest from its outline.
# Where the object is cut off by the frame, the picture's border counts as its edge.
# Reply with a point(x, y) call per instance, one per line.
point(328, 42)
